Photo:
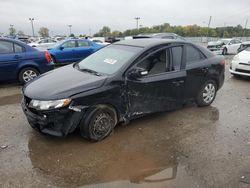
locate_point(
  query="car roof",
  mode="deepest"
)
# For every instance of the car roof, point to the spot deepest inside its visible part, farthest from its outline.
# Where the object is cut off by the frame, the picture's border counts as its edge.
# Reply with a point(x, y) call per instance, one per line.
point(147, 43)
point(12, 40)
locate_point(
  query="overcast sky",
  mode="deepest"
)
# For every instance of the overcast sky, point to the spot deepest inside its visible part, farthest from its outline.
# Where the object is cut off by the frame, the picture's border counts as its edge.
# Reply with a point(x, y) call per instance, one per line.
point(86, 15)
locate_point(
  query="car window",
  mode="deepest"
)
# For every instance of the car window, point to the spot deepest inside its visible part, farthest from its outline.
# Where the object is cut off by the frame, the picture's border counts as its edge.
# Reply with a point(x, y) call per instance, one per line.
point(177, 57)
point(193, 55)
point(157, 62)
point(69, 44)
point(83, 43)
point(18, 48)
point(6, 47)
point(237, 42)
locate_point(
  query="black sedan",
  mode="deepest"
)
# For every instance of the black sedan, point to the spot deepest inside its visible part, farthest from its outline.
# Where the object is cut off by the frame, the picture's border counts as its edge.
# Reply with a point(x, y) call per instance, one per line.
point(121, 82)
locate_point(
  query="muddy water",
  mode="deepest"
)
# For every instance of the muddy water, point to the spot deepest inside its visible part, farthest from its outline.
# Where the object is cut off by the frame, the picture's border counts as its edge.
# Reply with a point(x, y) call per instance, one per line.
point(149, 146)
point(10, 99)
point(191, 147)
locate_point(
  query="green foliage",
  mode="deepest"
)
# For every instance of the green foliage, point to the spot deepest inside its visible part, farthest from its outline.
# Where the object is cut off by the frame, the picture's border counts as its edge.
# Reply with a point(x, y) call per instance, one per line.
point(44, 32)
point(12, 31)
point(71, 35)
point(20, 33)
point(185, 31)
point(104, 32)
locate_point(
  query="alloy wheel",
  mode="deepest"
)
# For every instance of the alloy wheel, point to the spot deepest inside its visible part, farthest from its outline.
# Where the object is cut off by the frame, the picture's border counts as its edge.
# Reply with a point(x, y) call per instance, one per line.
point(209, 93)
point(28, 75)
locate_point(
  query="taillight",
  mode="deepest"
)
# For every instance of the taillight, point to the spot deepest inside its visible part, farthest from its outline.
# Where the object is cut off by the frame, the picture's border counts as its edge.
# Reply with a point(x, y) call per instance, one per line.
point(223, 62)
point(48, 57)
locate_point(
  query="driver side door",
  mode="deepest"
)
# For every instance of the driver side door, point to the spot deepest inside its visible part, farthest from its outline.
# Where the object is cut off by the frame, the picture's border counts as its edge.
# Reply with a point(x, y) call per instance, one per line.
point(161, 85)
point(66, 52)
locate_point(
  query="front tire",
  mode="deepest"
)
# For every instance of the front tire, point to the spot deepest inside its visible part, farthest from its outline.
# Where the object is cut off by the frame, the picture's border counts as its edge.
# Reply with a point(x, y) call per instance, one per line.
point(27, 74)
point(224, 51)
point(98, 123)
point(207, 94)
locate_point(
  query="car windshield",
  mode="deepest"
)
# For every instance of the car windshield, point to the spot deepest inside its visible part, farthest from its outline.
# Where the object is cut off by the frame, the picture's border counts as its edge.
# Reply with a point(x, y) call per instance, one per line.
point(57, 44)
point(109, 59)
point(247, 49)
point(224, 41)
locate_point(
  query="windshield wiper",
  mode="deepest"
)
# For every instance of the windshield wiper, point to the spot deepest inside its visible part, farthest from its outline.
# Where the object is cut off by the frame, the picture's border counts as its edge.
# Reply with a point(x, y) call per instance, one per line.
point(91, 71)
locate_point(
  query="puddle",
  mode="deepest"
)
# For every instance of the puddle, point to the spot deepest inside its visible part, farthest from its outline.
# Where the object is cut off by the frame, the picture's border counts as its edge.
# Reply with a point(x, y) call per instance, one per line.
point(145, 151)
point(11, 99)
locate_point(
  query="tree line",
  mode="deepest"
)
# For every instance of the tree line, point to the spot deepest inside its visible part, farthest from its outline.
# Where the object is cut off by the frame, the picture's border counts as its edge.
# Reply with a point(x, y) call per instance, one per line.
point(185, 31)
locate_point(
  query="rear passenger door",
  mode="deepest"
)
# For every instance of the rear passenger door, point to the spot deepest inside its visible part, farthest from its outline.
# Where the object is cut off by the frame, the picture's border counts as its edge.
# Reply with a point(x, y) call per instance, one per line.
point(9, 60)
point(197, 68)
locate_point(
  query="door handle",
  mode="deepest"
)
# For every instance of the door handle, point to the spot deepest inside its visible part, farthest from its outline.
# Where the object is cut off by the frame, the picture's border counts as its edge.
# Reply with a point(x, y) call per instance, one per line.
point(178, 83)
point(17, 56)
point(205, 70)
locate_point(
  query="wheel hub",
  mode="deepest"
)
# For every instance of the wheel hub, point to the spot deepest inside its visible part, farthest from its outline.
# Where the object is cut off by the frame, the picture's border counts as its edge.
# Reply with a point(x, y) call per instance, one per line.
point(209, 93)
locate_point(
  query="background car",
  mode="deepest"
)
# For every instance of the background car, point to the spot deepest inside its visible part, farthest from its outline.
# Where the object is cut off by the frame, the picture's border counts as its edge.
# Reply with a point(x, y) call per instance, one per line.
point(73, 50)
point(240, 65)
point(99, 40)
point(224, 46)
point(19, 61)
point(243, 46)
point(43, 43)
point(160, 35)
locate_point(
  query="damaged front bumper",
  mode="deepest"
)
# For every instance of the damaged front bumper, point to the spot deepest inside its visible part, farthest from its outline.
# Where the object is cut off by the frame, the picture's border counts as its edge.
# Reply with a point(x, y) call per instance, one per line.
point(57, 122)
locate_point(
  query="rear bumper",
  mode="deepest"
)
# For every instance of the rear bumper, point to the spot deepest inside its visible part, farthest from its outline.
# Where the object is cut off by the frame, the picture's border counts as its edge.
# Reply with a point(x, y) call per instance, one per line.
point(54, 122)
point(46, 68)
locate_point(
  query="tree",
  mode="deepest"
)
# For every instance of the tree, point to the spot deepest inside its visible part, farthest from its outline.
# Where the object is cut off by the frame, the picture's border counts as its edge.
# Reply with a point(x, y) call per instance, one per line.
point(20, 33)
point(12, 31)
point(44, 32)
point(104, 32)
point(71, 35)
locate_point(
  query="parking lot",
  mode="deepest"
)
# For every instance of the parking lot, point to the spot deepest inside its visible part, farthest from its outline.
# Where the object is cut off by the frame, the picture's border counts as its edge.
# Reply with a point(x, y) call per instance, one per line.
point(191, 147)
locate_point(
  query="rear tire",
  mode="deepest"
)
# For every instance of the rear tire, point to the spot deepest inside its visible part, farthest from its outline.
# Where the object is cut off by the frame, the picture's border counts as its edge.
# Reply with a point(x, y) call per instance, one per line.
point(27, 74)
point(98, 123)
point(53, 59)
point(207, 94)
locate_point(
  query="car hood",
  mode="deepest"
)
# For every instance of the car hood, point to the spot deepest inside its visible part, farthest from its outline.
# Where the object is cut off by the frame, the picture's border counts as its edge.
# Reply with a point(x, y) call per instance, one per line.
point(244, 56)
point(214, 43)
point(62, 83)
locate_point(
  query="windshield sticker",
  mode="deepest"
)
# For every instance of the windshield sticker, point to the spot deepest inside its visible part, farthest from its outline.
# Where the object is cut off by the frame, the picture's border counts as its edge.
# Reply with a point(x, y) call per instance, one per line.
point(110, 61)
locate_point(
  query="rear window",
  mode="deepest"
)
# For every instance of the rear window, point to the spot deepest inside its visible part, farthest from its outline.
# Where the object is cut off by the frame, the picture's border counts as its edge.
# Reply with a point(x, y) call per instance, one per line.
point(18, 48)
point(6, 47)
point(193, 55)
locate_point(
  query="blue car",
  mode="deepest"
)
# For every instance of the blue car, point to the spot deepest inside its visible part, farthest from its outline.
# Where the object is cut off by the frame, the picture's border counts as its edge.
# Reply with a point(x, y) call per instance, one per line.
point(20, 62)
point(73, 50)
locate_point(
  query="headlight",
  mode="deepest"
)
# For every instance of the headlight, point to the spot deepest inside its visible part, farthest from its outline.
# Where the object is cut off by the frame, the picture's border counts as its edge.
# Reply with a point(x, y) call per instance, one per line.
point(47, 105)
point(236, 58)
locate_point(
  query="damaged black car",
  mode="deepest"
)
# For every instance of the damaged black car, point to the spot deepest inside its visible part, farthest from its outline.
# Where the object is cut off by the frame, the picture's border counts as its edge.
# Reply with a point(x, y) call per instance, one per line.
point(121, 82)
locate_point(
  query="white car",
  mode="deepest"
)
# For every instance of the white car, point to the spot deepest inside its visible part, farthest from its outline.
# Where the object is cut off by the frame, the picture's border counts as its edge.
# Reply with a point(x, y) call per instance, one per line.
point(224, 46)
point(99, 40)
point(43, 43)
point(240, 64)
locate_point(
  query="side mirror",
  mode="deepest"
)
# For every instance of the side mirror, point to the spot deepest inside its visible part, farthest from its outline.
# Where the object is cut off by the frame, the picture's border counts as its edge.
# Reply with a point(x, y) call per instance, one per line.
point(137, 73)
point(229, 43)
point(61, 48)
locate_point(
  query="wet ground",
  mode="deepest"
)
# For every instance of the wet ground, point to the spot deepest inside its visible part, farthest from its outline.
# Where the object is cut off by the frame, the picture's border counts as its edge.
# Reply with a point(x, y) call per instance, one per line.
point(191, 147)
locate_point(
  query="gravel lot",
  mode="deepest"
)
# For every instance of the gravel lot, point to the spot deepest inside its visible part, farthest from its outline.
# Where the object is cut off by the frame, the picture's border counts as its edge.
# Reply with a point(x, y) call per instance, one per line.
point(191, 147)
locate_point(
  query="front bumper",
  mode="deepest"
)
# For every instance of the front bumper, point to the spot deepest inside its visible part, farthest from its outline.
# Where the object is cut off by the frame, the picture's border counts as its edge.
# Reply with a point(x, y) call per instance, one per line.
point(239, 68)
point(59, 122)
point(217, 51)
